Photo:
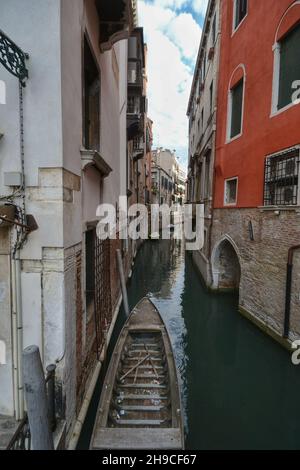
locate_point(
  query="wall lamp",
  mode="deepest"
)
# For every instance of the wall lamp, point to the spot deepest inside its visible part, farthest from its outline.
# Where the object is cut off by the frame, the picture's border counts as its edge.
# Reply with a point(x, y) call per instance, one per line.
point(8, 219)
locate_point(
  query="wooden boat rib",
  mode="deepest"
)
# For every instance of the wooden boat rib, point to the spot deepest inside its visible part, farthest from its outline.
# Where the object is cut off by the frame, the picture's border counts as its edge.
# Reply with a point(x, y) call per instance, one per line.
point(140, 402)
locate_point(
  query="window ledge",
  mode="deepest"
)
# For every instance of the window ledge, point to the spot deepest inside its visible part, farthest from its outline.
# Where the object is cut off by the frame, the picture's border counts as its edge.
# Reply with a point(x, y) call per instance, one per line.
point(232, 139)
point(276, 112)
point(93, 158)
point(279, 208)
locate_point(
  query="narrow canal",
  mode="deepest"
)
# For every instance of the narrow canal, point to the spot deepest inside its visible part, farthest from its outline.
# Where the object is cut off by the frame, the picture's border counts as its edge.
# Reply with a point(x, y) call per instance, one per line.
point(239, 388)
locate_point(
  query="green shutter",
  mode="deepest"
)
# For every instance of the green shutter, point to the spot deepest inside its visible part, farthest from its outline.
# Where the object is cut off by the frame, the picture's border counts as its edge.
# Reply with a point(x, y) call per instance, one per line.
point(237, 108)
point(289, 66)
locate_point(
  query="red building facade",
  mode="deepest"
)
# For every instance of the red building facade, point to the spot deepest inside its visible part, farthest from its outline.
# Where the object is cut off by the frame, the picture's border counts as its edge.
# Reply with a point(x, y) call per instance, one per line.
point(256, 219)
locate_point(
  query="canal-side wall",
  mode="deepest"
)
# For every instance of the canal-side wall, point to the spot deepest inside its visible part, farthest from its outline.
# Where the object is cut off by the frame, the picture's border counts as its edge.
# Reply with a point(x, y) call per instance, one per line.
point(263, 262)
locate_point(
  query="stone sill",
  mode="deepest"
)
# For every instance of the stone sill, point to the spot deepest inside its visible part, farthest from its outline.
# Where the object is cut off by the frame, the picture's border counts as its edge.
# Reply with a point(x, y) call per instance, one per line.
point(279, 208)
point(93, 158)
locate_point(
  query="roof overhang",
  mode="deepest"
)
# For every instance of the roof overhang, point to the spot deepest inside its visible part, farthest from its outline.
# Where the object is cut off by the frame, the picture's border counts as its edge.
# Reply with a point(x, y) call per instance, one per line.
point(116, 21)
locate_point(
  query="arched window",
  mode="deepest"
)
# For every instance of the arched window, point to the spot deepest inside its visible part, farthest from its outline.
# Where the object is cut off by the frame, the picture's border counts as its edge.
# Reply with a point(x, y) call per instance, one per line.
point(2, 92)
point(286, 79)
point(236, 96)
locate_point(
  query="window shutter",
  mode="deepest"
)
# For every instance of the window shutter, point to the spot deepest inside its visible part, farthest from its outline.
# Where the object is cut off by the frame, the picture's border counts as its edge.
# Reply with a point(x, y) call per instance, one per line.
point(289, 66)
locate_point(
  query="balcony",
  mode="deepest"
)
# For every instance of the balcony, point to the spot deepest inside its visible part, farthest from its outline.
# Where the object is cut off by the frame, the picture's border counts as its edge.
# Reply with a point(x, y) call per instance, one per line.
point(116, 21)
point(138, 148)
point(135, 125)
point(135, 116)
point(135, 74)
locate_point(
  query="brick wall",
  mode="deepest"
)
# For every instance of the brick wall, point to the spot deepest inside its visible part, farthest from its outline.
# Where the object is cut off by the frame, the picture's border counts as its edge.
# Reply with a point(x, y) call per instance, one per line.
point(263, 261)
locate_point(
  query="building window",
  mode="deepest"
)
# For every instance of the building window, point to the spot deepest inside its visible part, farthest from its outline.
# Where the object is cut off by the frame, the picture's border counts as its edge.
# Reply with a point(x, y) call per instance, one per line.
point(231, 186)
point(282, 179)
point(236, 109)
point(240, 11)
point(133, 105)
point(207, 177)
point(202, 120)
point(211, 94)
point(91, 121)
point(214, 27)
point(289, 71)
point(90, 272)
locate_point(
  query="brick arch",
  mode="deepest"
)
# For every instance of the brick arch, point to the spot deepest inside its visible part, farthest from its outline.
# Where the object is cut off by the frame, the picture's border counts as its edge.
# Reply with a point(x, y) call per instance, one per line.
point(226, 265)
point(2, 92)
point(288, 21)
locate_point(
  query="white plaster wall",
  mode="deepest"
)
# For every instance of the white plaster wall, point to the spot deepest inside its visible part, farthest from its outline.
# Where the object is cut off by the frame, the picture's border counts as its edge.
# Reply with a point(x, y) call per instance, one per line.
point(34, 25)
point(72, 27)
point(6, 378)
point(110, 128)
point(91, 195)
point(54, 316)
point(32, 318)
point(42, 97)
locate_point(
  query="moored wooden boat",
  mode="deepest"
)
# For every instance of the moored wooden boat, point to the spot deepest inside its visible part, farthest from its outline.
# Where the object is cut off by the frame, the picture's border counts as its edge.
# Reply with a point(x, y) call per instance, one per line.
point(140, 402)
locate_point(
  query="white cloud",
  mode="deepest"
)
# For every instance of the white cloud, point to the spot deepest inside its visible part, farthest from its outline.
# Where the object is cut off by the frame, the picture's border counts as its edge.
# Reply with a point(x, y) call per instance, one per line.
point(173, 39)
point(174, 4)
point(185, 32)
point(199, 6)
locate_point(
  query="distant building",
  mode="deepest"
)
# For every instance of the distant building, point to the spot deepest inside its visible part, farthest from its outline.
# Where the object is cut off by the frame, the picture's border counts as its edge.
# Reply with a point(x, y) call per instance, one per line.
point(202, 113)
point(168, 178)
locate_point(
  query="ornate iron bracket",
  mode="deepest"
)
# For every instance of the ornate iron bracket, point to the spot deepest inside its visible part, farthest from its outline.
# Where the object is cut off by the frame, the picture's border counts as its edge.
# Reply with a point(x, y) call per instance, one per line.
point(13, 58)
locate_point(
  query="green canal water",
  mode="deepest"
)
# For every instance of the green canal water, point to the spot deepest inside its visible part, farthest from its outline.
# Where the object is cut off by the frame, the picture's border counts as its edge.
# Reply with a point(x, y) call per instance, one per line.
point(239, 388)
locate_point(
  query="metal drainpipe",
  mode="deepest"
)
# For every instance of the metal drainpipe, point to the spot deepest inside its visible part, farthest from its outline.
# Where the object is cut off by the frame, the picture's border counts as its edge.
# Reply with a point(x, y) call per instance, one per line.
point(14, 338)
point(17, 334)
point(289, 278)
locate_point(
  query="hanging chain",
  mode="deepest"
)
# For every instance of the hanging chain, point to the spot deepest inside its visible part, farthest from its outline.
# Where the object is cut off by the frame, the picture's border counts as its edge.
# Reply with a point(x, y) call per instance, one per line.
point(22, 152)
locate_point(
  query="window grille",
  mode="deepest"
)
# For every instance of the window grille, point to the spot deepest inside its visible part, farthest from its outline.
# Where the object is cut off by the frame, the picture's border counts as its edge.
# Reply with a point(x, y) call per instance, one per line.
point(282, 179)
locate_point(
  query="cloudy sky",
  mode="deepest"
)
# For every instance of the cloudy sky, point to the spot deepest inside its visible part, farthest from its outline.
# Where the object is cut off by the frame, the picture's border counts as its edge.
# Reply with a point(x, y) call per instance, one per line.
point(172, 31)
